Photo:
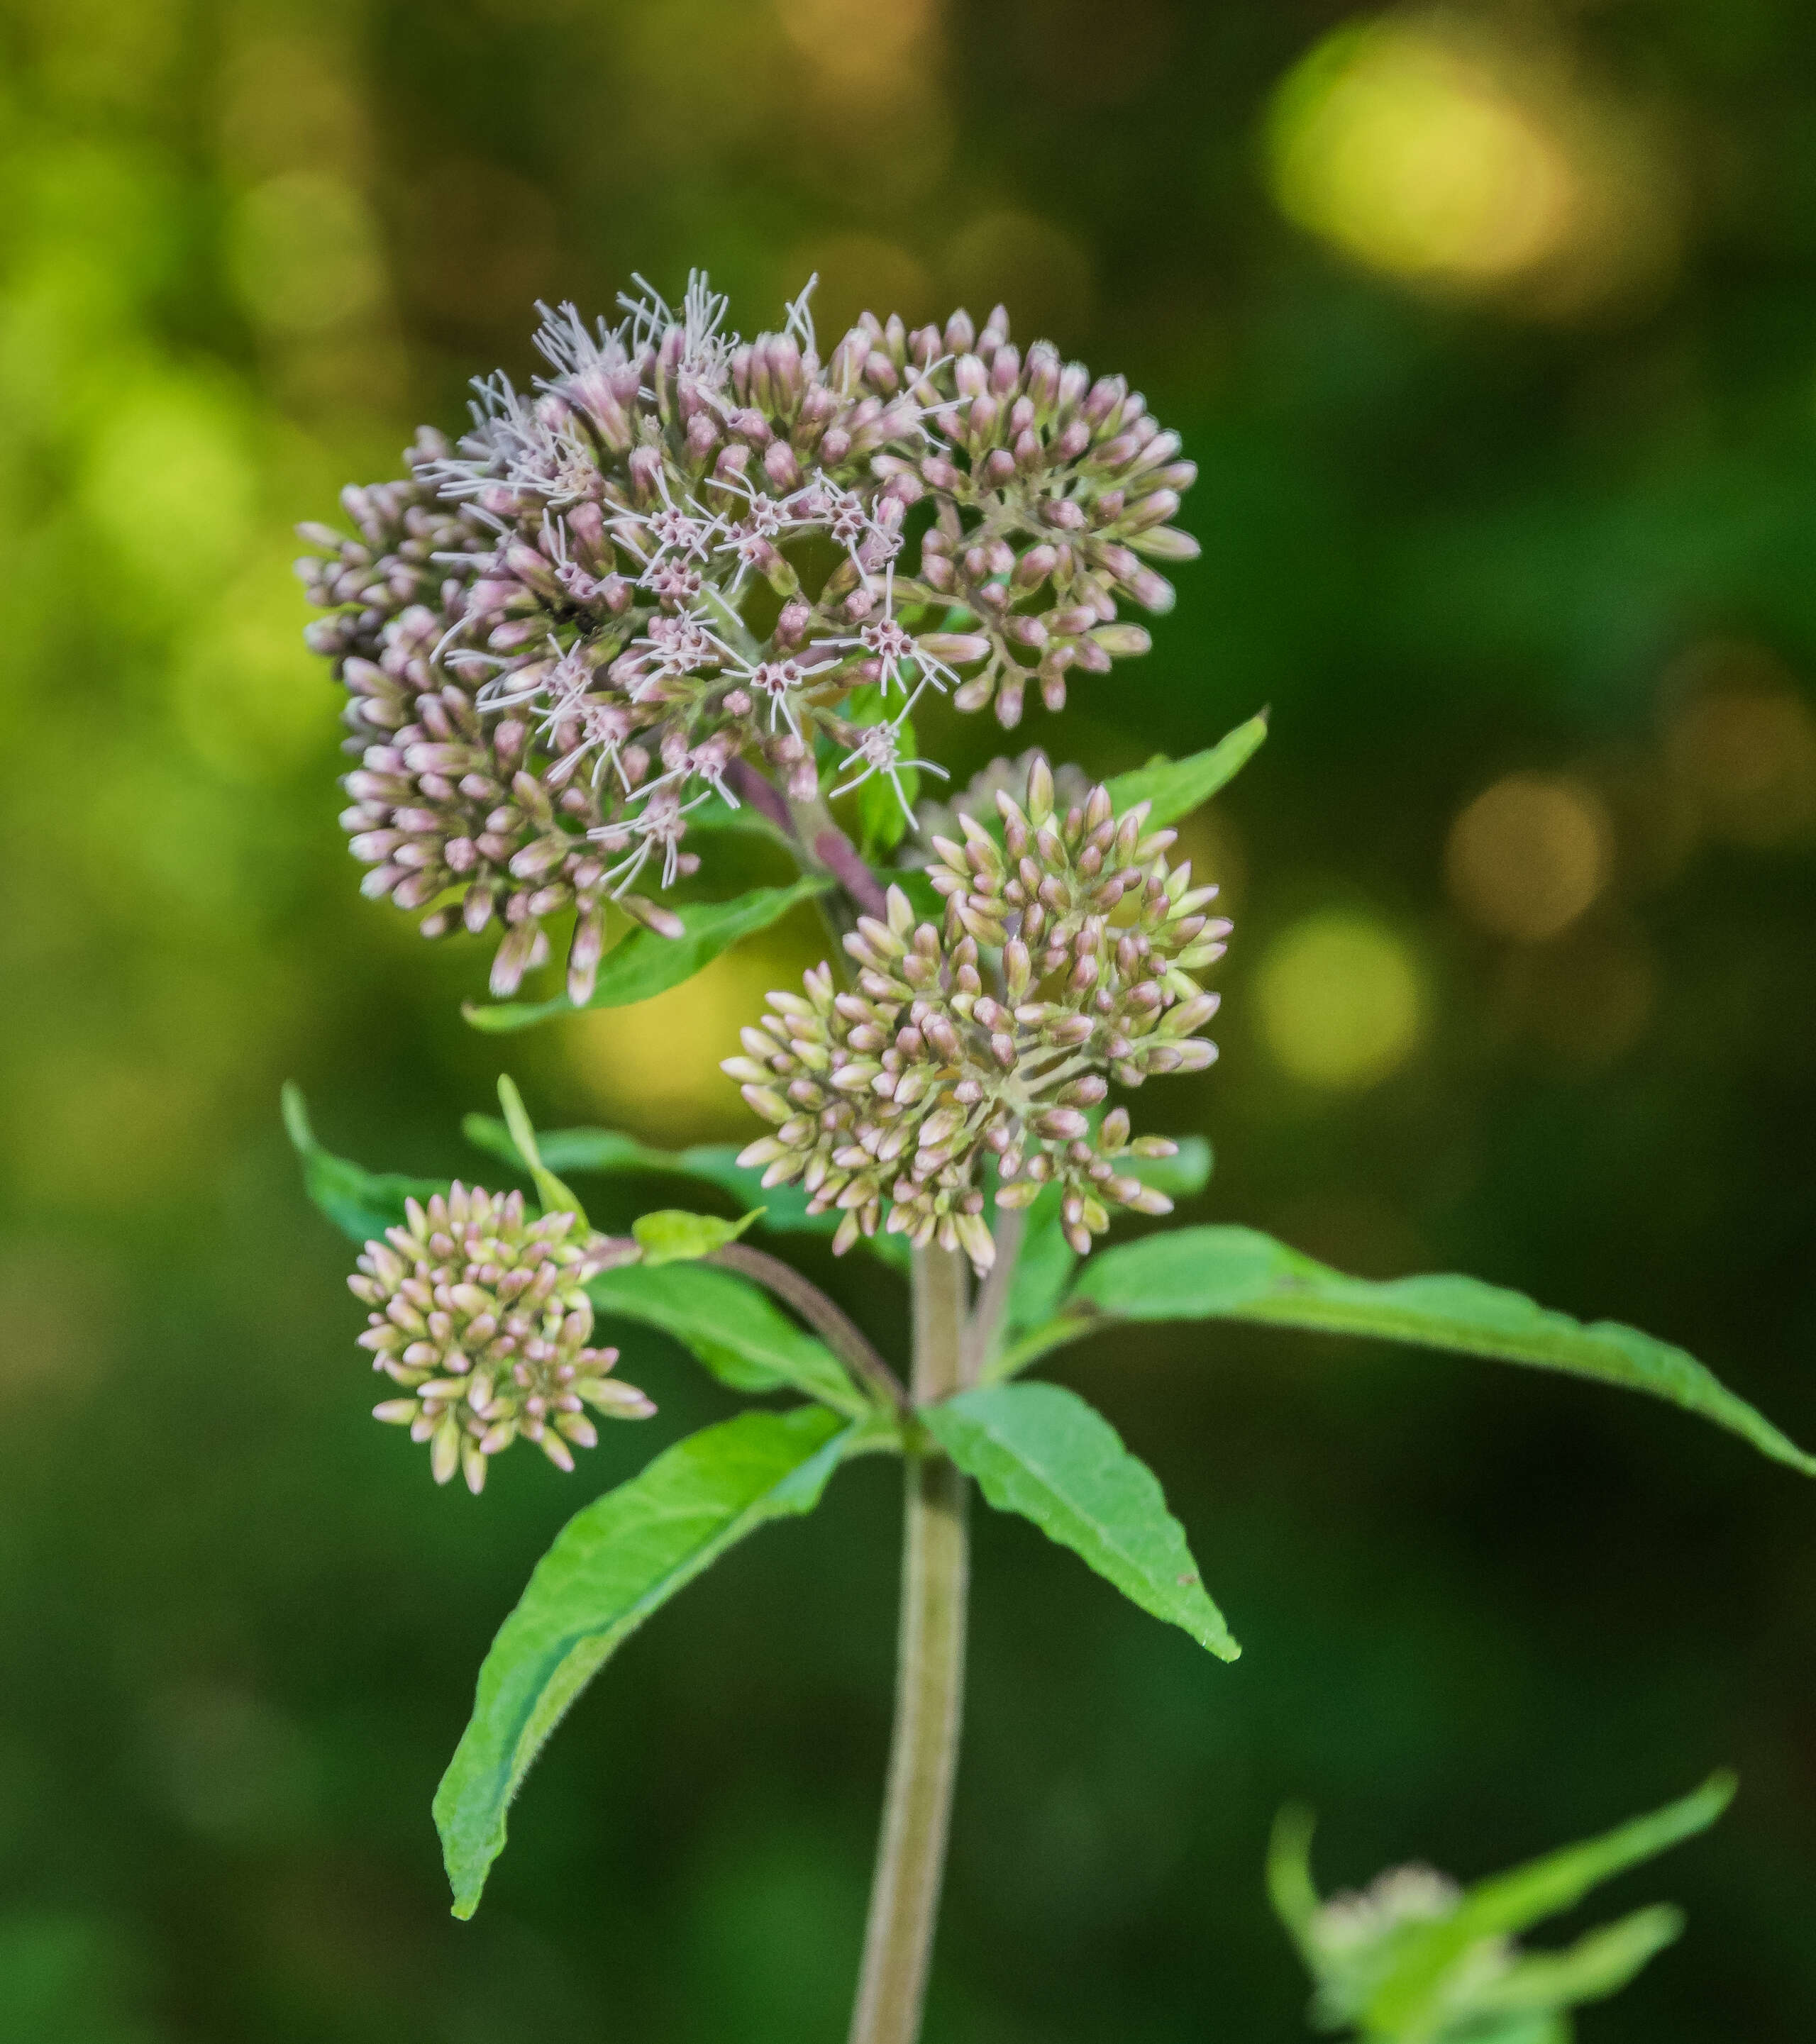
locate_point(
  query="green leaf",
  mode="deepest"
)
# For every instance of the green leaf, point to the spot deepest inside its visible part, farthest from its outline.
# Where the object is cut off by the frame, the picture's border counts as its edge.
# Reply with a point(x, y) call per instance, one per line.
point(1041, 1450)
point(882, 824)
point(1044, 1267)
point(1173, 788)
point(1512, 1902)
point(611, 1565)
point(643, 964)
point(672, 1236)
point(361, 1204)
point(1599, 1964)
point(734, 1328)
point(1290, 1885)
point(554, 1196)
point(747, 819)
point(612, 1155)
point(1237, 1273)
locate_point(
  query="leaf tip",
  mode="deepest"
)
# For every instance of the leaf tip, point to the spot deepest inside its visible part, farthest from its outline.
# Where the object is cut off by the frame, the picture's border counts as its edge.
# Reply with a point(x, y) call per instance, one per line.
point(296, 1121)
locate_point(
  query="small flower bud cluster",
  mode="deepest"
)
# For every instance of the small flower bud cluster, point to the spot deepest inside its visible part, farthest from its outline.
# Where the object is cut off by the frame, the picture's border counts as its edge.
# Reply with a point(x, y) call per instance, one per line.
point(937, 818)
point(679, 549)
point(1052, 493)
point(482, 1315)
point(902, 1088)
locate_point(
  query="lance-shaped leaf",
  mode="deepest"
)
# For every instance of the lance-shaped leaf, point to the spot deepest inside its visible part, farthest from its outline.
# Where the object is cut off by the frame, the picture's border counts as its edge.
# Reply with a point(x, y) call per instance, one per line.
point(611, 1565)
point(1041, 1450)
point(1174, 788)
point(1236, 1273)
point(740, 1335)
point(361, 1204)
point(642, 964)
point(612, 1154)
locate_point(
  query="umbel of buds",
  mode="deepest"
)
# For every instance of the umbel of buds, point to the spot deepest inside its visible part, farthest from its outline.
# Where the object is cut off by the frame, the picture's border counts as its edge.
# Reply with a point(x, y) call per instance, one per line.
point(680, 549)
point(905, 1087)
point(482, 1314)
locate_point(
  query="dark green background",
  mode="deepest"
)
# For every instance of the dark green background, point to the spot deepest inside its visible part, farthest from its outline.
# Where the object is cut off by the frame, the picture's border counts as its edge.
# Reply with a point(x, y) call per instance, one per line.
point(243, 249)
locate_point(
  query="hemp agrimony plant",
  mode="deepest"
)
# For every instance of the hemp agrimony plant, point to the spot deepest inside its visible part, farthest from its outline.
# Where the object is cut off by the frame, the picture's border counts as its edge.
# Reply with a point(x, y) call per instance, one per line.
point(688, 585)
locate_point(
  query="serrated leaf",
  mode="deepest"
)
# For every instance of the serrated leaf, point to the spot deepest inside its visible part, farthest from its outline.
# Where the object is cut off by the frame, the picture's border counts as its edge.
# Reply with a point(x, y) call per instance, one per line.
point(611, 1153)
point(671, 1235)
point(612, 1564)
point(1174, 788)
point(1238, 1274)
point(730, 1325)
point(361, 1204)
point(643, 964)
point(1041, 1450)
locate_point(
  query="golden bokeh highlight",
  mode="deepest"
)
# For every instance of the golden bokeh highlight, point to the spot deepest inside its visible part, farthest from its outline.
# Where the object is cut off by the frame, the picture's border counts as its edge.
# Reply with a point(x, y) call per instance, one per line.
point(654, 1068)
point(865, 45)
point(1340, 1001)
point(1741, 740)
point(1529, 855)
point(1426, 148)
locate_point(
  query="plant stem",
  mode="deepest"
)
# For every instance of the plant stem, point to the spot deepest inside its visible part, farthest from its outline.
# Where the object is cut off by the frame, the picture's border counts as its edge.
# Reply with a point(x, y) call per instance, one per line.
point(929, 1687)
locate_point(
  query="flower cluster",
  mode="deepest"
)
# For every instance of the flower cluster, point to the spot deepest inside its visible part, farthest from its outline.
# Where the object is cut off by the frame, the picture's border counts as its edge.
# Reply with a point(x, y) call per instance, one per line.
point(903, 1087)
point(483, 1316)
point(678, 551)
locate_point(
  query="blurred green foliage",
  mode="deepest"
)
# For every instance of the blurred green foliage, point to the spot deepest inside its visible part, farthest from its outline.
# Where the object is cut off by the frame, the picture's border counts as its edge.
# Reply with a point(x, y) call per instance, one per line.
point(1517, 546)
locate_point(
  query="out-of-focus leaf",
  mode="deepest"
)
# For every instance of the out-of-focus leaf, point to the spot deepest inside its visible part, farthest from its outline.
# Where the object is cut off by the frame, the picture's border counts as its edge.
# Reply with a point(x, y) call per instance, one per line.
point(734, 1328)
point(611, 1153)
point(670, 1235)
point(1413, 1959)
point(1174, 788)
point(643, 964)
point(361, 1204)
point(611, 1565)
point(1514, 1901)
point(1041, 1450)
point(1509, 1903)
point(1599, 1964)
point(1237, 1273)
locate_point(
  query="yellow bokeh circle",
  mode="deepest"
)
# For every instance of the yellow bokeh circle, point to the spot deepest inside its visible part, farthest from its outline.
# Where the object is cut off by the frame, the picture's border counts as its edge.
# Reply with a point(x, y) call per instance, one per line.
point(1341, 999)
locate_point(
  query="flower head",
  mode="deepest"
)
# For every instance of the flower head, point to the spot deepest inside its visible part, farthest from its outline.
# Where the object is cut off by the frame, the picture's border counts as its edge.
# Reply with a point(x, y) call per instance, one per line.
point(482, 1315)
point(906, 1087)
point(679, 541)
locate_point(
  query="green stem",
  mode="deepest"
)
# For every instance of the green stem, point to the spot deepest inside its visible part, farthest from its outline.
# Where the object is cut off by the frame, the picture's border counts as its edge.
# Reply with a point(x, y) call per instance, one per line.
point(929, 1687)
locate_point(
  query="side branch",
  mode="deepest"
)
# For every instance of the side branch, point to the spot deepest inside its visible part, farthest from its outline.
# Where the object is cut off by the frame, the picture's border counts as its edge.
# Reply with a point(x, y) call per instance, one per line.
point(829, 1321)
